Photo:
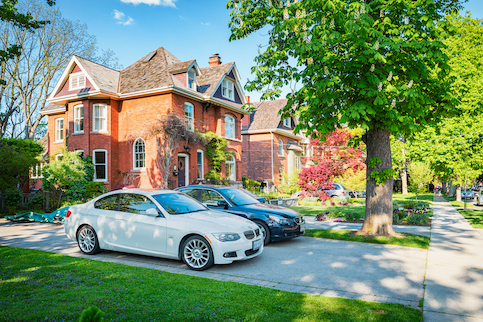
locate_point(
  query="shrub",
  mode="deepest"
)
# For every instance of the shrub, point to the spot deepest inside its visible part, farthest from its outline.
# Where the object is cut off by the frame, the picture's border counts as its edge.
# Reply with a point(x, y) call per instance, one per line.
point(92, 314)
point(353, 216)
point(321, 217)
point(94, 189)
point(68, 203)
point(418, 218)
point(310, 201)
point(250, 184)
point(12, 197)
point(395, 218)
point(76, 191)
point(38, 198)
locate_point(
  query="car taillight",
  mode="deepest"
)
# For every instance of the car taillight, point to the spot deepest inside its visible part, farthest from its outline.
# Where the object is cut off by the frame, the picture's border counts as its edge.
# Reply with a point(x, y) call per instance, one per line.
point(67, 215)
point(343, 192)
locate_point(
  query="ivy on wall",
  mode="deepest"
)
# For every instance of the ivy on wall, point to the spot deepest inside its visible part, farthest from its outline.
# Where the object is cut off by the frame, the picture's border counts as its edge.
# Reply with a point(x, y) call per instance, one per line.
point(216, 151)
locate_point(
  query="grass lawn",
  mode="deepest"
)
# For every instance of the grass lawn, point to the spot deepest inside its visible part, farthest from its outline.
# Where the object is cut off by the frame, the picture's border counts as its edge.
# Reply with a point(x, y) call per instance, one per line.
point(428, 197)
point(37, 285)
point(474, 217)
point(409, 240)
point(315, 210)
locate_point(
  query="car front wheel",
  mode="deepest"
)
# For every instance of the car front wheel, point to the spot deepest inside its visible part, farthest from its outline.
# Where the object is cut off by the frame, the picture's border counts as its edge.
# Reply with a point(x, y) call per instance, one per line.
point(87, 240)
point(197, 253)
point(265, 232)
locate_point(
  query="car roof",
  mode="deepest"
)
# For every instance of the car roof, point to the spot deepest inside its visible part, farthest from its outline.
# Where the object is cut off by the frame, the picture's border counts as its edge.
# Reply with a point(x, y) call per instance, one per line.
point(147, 191)
point(205, 186)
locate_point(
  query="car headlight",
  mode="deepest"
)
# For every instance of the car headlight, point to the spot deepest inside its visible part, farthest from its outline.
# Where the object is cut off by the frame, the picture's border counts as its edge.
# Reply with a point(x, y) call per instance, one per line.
point(227, 237)
point(279, 219)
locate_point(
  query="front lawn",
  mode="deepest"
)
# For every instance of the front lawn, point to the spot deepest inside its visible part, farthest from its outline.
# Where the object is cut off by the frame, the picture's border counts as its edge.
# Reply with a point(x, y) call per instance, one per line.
point(408, 240)
point(399, 197)
point(356, 208)
point(474, 217)
point(42, 286)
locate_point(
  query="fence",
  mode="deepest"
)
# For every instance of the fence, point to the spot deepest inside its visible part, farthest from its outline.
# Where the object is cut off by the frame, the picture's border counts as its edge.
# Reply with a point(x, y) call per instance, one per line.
point(26, 202)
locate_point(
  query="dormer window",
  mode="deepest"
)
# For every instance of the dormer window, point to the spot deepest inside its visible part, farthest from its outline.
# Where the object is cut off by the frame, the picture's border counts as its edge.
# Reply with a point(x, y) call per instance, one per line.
point(287, 121)
point(77, 81)
point(192, 80)
point(228, 89)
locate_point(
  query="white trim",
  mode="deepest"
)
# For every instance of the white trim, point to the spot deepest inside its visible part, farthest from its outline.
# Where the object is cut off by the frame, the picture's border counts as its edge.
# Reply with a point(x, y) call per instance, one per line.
point(228, 85)
point(280, 148)
point(234, 166)
point(186, 168)
point(277, 131)
point(99, 130)
point(58, 156)
point(56, 130)
point(233, 124)
point(78, 76)
point(202, 163)
point(228, 106)
point(287, 120)
point(190, 121)
point(94, 162)
point(81, 106)
point(134, 168)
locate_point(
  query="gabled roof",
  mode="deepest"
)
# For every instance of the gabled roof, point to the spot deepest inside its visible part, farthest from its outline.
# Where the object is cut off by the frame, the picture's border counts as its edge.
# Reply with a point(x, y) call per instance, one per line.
point(265, 116)
point(149, 72)
point(105, 78)
point(52, 108)
point(211, 76)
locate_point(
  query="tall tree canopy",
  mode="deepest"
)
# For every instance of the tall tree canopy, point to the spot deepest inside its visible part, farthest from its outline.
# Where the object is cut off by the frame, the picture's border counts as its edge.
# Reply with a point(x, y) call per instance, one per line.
point(376, 64)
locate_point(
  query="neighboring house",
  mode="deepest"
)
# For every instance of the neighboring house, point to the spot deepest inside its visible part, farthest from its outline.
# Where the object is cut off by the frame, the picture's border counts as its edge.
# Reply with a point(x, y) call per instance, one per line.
point(270, 147)
point(100, 112)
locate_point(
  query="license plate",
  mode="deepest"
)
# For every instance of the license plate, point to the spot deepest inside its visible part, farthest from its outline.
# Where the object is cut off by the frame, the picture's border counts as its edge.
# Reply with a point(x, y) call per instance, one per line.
point(302, 227)
point(257, 244)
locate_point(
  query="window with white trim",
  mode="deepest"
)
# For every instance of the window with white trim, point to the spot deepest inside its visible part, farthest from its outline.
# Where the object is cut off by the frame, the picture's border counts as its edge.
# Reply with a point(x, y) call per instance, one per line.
point(80, 152)
point(79, 118)
point(192, 79)
point(99, 159)
point(139, 154)
point(77, 81)
point(298, 162)
point(200, 164)
point(59, 129)
point(189, 116)
point(287, 122)
point(228, 89)
point(230, 165)
point(59, 157)
point(229, 127)
point(280, 147)
point(36, 172)
point(99, 118)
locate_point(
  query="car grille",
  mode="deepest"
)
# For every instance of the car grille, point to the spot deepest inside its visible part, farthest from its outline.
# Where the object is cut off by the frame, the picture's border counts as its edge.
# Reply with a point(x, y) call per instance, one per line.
point(250, 234)
point(251, 252)
point(299, 220)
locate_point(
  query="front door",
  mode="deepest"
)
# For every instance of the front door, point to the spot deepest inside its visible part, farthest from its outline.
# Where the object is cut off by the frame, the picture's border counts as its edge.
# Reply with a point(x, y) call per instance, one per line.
point(181, 171)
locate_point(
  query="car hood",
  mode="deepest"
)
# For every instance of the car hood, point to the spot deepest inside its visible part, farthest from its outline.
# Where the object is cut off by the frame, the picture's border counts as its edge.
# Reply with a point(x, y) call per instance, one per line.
point(218, 220)
point(266, 208)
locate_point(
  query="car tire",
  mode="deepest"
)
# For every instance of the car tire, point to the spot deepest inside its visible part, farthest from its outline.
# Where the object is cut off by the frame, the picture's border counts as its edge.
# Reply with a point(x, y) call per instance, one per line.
point(265, 232)
point(197, 254)
point(87, 240)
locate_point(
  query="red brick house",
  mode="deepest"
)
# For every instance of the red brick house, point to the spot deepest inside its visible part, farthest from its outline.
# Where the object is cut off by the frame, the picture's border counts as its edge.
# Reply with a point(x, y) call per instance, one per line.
point(270, 148)
point(97, 110)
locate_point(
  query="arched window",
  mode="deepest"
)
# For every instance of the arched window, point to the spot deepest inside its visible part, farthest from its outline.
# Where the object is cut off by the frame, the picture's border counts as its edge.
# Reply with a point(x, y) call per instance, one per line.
point(230, 165)
point(229, 127)
point(280, 147)
point(139, 154)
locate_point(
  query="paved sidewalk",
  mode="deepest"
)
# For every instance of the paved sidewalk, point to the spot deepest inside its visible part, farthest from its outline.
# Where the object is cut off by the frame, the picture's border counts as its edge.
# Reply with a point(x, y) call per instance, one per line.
point(454, 273)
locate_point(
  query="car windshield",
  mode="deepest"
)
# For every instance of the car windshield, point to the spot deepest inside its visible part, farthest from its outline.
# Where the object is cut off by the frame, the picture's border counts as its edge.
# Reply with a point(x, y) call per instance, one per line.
point(177, 203)
point(238, 197)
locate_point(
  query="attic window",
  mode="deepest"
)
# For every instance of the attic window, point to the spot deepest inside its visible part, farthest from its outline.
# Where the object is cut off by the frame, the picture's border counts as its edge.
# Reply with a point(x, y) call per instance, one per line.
point(77, 81)
point(286, 122)
point(228, 89)
point(192, 79)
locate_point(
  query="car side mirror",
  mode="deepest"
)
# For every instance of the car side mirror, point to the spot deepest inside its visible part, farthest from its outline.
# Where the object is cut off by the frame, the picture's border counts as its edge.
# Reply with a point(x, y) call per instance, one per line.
point(153, 212)
point(223, 203)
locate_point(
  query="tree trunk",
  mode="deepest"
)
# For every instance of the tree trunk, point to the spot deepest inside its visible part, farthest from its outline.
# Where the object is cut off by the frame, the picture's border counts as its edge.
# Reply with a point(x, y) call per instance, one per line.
point(378, 217)
point(458, 193)
point(404, 180)
point(443, 187)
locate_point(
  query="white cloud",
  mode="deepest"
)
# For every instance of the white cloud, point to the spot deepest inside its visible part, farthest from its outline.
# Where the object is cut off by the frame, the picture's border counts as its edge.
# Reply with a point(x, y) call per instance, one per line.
point(165, 3)
point(121, 18)
point(205, 23)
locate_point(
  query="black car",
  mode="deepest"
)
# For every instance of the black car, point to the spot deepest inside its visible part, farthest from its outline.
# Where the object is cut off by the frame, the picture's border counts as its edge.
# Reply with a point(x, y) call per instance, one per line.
point(275, 222)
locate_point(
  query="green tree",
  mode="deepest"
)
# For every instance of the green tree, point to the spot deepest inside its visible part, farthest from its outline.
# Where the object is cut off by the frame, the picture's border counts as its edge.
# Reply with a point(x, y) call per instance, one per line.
point(420, 174)
point(353, 180)
point(17, 156)
point(376, 64)
point(61, 174)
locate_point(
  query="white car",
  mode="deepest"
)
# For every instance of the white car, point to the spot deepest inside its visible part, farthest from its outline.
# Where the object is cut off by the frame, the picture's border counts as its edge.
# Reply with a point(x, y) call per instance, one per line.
point(162, 223)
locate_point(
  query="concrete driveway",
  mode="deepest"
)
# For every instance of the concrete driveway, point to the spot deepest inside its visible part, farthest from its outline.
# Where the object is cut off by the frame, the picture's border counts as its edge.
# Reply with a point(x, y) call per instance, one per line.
point(371, 272)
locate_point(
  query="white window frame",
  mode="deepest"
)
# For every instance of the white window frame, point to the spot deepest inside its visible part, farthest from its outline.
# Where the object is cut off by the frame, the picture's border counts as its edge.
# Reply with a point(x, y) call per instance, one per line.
point(192, 79)
point(59, 130)
point(135, 155)
point(189, 116)
point(95, 164)
point(228, 89)
point(230, 123)
point(102, 119)
point(231, 163)
point(286, 121)
point(298, 162)
point(200, 167)
point(77, 81)
point(280, 147)
point(36, 172)
point(58, 157)
point(79, 119)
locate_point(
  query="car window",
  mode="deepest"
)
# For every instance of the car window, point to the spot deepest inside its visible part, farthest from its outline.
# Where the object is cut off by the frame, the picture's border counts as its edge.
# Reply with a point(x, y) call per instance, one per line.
point(193, 193)
point(108, 203)
point(178, 203)
point(210, 197)
point(238, 197)
point(135, 204)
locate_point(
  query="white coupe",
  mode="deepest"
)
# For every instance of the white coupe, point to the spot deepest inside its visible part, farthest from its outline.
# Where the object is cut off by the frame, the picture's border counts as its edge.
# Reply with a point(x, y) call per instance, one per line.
point(162, 223)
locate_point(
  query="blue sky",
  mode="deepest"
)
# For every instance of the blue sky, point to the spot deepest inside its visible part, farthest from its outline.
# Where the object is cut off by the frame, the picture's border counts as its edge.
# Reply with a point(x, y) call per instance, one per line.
point(189, 29)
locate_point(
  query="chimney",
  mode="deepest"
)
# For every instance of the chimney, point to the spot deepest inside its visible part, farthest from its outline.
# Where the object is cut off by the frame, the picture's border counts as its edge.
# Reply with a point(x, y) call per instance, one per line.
point(215, 60)
point(247, 98)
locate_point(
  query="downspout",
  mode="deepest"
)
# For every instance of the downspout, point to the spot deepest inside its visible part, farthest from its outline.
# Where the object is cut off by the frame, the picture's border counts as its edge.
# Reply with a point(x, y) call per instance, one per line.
point(271, 139)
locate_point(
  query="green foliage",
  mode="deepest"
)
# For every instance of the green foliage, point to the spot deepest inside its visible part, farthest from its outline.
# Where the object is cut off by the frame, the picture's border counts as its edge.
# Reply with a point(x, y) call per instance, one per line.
point(420, 174)
point(355, 181)
point(374, 162)
point(381, 177)
point(251, 185)
point(17, 156)
point(68, 202)
point(289, 183)
point(94, 189)
point(353, 216)
point(216, 151)
point(38, 198)
point(418, 218)
point(92, 314)
point(310, 201)
point(12, 197)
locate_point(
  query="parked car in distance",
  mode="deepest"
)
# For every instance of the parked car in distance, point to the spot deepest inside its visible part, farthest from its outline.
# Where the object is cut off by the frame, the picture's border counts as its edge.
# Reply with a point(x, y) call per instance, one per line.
point(275, 222)
point(162, 223)
point(468, 194)
point(357, 194)
point(337, 190)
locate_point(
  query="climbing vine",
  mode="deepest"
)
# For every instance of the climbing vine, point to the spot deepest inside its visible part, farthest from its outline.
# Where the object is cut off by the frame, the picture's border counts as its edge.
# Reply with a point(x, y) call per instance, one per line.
point(216, 151)
point(380, 177)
